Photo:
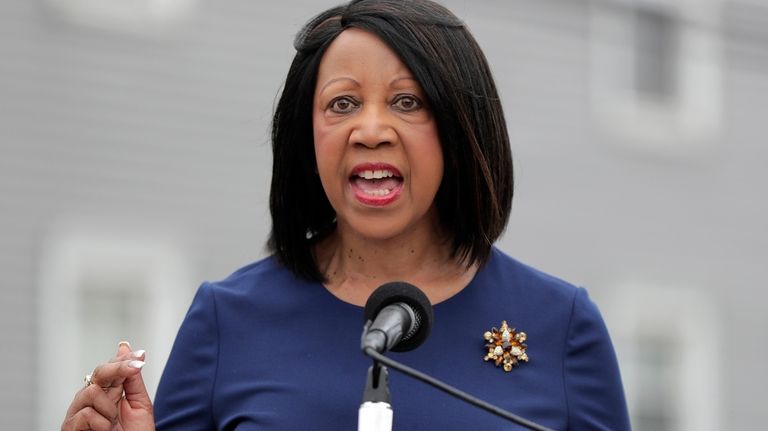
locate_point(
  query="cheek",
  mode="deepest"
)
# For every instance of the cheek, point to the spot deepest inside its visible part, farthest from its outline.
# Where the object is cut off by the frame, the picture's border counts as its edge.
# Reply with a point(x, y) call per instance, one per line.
point(327, 152)
point(321, 137)
point(328, 159)
point(428, 153)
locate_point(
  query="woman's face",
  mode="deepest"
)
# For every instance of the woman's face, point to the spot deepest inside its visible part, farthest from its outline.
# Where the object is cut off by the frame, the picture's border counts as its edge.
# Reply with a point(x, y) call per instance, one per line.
point(378, 153)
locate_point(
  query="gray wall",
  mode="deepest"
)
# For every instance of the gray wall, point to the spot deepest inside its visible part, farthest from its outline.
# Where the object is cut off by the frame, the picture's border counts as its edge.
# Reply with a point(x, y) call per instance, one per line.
point(164, 131)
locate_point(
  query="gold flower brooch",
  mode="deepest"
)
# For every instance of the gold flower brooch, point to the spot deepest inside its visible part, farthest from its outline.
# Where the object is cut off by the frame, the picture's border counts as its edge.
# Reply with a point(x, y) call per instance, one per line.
point(506, 347)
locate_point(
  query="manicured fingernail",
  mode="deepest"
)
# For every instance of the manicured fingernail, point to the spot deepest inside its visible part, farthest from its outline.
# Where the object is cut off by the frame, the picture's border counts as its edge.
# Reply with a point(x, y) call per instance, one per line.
point(136, 364)
point(138, 353)
point(127, 344)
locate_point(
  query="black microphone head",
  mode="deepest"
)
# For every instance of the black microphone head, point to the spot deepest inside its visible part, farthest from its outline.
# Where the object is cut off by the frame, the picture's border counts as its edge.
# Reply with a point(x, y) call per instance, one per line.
point(400, 291)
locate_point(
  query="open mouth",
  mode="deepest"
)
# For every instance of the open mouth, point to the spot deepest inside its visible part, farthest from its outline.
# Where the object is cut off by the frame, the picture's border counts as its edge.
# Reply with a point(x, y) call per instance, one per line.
point(376, 184)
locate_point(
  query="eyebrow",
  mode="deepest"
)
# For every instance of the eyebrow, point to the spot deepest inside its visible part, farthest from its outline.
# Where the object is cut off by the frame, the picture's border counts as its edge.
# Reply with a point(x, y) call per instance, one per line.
point(341, 78)
point(403, 78)
point(347, 78)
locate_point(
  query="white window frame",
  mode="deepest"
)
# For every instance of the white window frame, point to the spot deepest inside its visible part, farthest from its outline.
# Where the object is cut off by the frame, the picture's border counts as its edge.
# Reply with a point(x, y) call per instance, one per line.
point(683, 314)
point(68, 258)
point(685, 124)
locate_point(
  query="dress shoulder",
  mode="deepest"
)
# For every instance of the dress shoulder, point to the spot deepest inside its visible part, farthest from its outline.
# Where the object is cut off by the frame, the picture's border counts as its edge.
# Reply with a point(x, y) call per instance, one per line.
point(527, 281)
point(574, 329)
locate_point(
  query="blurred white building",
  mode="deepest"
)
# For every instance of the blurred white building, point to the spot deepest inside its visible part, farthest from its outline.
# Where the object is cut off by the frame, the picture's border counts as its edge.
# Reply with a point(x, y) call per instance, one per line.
point(135, 163)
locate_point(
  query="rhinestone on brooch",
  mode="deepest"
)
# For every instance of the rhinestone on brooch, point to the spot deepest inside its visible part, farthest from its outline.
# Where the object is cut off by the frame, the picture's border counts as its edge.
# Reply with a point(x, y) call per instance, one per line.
point(505, 346)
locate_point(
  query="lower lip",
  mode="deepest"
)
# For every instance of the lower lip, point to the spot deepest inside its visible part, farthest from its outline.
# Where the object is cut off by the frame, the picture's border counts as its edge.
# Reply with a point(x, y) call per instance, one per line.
point(377, 201)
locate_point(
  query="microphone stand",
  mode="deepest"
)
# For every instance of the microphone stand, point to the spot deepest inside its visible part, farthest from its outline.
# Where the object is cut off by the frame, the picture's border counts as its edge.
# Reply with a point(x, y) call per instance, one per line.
point(375, 412)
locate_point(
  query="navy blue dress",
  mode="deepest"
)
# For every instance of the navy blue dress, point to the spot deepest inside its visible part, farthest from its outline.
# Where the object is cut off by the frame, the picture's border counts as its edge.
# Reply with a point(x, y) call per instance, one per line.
point(263, 350)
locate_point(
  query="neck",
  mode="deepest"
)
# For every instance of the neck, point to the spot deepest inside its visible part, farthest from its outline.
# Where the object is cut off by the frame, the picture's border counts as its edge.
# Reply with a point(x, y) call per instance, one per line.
point(355, 266)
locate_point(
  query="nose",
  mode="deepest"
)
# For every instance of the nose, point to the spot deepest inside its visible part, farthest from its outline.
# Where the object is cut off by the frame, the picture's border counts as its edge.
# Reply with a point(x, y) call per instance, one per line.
point(373, 127)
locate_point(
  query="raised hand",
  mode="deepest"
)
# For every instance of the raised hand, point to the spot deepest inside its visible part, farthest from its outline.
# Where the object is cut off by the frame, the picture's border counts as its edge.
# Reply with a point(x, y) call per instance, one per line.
point(114, 398)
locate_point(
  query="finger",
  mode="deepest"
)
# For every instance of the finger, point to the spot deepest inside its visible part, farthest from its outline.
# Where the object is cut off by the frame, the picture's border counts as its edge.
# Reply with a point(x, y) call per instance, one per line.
point(129, 355)
point(87, 419)
point(94, 397)
point(100, 401)
point(123, 348)
point(138, 355)
point(135, 360)
point(125, 351)
point(112, 374)
point(136, 391)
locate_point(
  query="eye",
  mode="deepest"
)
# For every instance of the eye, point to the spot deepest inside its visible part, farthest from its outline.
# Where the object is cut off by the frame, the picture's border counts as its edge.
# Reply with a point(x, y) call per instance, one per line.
point(342, 105)
point(407, 103)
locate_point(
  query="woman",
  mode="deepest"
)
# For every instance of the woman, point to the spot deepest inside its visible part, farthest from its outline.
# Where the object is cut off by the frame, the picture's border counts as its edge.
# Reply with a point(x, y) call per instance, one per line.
point(391, 162)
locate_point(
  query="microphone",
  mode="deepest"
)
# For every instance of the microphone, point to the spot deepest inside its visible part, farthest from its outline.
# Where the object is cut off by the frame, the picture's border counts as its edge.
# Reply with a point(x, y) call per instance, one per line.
point(398, 317)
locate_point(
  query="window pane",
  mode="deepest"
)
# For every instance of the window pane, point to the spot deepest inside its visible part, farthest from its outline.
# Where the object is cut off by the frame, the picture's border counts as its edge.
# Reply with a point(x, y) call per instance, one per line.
point(655, 53)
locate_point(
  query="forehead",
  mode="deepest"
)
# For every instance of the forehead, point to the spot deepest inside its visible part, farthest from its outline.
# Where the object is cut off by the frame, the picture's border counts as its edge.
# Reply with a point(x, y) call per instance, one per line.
point(359, 52)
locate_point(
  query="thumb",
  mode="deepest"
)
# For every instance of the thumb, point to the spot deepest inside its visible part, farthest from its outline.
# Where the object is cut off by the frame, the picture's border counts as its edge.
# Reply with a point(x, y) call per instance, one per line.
point(135, 391)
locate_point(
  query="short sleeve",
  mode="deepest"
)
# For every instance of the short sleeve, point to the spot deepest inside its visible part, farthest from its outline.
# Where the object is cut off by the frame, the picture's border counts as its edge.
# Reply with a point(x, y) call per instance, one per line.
point(594, 391)
point(183, 400)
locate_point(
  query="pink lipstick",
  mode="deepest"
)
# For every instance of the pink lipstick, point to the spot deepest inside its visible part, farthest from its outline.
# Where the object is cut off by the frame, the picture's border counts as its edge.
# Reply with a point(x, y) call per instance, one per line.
point(376, 184)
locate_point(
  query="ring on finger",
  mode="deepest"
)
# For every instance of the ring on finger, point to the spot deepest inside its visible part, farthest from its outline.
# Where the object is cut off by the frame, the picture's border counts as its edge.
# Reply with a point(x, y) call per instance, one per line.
point(88, 379)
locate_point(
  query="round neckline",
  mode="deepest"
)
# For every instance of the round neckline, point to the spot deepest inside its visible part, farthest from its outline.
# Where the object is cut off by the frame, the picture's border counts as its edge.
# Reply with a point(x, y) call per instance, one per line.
point(448, 301)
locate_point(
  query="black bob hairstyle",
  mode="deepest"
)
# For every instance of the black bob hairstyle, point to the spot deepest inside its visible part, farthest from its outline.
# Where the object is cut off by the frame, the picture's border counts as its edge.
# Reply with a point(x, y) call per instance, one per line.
point(475, 197)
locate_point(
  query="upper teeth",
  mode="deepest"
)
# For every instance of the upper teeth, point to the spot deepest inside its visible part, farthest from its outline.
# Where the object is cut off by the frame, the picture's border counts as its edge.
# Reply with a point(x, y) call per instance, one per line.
point(371, 175)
